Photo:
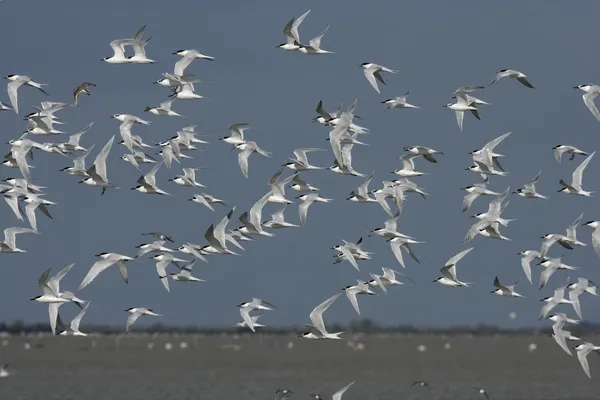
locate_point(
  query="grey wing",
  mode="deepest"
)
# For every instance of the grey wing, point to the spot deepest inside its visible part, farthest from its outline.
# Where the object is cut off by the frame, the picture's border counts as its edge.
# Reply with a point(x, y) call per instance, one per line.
point(526, 265)
point(582, 357)
point(492, 144)
point(150, 177)
point(449, 272)
point(559, 337)
point(182, 64)
point(243, 161)
point(54, 282)
point(545, 276)
point(460, 116)
point(12, 88)
point(53, 312)
point(410, 252)
point(468, 200)
point(316, 41)
point(131, 319)
point(588, 99)
point(348, 255)
point(20, 155)
point(546, 244)
point(574, 298)
point(122, 270)
point(397, 252)
point(245, 313)
point(98, 267)
point(13, 202)
point(10, 233)
point(77, 320)
point(79, 162)
point(303, 210)
point(572, 229)
point(338, 395)
point(30, 211)
point(351, 294)
point(219, 232)
point(316, 316)
point(558, 154)
point(362, 189)
point(370, 75)
point(100, 161)
point(458, 257)
point(578, 173)
point(531, 185)
point(596, 241)
point(162, 273)
point(525, 82)
point(296, 24)
point(125, 132)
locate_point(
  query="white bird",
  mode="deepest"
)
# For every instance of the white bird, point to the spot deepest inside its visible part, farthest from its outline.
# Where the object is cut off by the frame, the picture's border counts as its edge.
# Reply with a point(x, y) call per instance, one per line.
point(207, 200)
point(4, 371)
point(462, 104)
point(361, 195)
point(20, 148)
point(351, 252)
point(448, 271)
point(561, 149)
point(408, 166)
point(398, 102)
point(527, 257)
point(505, 290)
point(511, 73)
point(163, 261)
point(73, 327)
point(426, 152)
point(336, 396)
point(568, 242)
point(118, 47)
point(549, 267)
point(595, 235)
point(528, 190)
point(154, 247)
point(185, 273)
point(185, 91)
point(247, 307)
point(399, 243)
point(577, 289)
point(188, 57)
point(486, 154)
point(127, 122)
point(163, 109)
point(135, 314)
point(553, 301)
point(107, 260)
point(16, 81)
point(387, 279)
point(9, 245)
point(582, 351)
point(353, 290)
point(147, 182)
point(236, 132)
point(290, 32)
point(314, 45)
point(252, 220)
point(307, 200)
point(138, 157)
point(317, 328)
point(247, 148)
point(302, 186)
point(97, 172)
point(216, 237)
point(300, 163)
point(373, 73)
point(559, 334)
point(255, 324)
point(277, 186)
point(278, 220)
point(590, 92)
point(473, 192)
point(576, 182)
point(188, 178)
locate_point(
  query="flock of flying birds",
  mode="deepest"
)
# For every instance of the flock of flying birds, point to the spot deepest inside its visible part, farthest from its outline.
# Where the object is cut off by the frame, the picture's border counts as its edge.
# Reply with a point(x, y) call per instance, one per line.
point(343, 137)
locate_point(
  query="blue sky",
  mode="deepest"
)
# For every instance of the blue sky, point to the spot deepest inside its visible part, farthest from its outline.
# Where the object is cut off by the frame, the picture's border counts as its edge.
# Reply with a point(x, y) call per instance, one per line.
point(276, 93)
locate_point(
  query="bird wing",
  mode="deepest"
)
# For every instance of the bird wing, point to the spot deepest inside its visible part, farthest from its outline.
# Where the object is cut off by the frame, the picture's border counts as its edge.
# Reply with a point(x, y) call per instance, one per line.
point(12, 88)
point(578, 173)
point(98, 267)
point(338, 395)
point(588, 99)
point(100, 161)
point(316, 316)
point(370, 75)
point(351, 294)
point(131, 319)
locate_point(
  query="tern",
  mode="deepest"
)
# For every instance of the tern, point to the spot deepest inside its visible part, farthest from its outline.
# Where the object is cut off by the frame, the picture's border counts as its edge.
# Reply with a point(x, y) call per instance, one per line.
point(549, 267)
point(387, 279)
point(561, 149)
point(590, 92)
point(154, 247)
point(462, 104)
point(361, 195)
point(336, 396)
point(307, 200)
point(511, 73)
point(118, 47)
point(302, 186)
point(97, 172)
point(314, 45)
point(575, 186)
point(236, 132)
point(9, 245)
point(426, 152)
point(188, 57)
point(247, 307)
point(528, 190)
point(207, 200)
point(185, 273)
point(473, 192)
point(16, 81)
point(255, 323)
point(277, 186)
point(398, 102)
point(505, 290)
point(568, 242)
point(160, 236)
point(527, 257)
point(137, 312)
point(163, 261)
point(247, 148)
point(300, 163)
point(290, 32)
point(138, 157)
point(188, 178)
point(373, 73)
point(317, 328)
point(216, 237)
point(582, 351)
point(278, 220)
point(408, 166)
point(399, 243)
point(73, 327)
point(576, 289)
point(147, 182)
point(163, 109)
point(559, 334)
point(107, 260)
point(448, 271)
point(353, 290)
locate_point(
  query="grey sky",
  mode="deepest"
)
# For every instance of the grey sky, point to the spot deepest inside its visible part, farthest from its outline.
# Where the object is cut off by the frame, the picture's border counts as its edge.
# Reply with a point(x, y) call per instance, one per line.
point(437, 46)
